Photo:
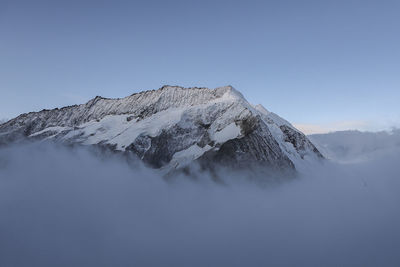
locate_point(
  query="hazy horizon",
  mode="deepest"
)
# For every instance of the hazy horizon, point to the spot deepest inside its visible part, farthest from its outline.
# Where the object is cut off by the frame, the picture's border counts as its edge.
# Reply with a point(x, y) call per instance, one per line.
point(307, 128)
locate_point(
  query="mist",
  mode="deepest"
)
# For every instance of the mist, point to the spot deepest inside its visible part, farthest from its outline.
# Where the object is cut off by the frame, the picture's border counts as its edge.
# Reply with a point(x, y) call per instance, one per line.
point(69, 207)
point(357, 146)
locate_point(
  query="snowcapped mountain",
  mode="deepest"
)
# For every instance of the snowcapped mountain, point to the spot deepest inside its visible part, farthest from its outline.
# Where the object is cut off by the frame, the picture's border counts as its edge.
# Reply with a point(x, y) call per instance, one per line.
point(172, 127)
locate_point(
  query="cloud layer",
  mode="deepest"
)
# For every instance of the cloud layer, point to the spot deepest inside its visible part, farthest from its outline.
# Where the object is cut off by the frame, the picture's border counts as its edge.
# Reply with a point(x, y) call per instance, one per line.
point(355, 146)
point(68, 207)
point(361, 125)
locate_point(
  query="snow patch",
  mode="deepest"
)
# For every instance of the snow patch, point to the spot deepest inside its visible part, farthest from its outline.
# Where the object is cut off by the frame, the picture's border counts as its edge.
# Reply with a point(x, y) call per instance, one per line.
point(231, 131)
point(186, 156)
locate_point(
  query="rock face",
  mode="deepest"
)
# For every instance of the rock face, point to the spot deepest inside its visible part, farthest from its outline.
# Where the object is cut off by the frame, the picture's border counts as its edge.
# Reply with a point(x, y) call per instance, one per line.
point(171, 127)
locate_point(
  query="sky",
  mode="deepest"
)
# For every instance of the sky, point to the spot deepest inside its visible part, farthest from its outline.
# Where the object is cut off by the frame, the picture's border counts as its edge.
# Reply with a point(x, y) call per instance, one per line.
point(322, 65)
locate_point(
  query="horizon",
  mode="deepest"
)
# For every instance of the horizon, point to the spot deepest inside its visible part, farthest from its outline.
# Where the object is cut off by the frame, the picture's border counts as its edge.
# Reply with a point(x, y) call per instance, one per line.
point(308, 129)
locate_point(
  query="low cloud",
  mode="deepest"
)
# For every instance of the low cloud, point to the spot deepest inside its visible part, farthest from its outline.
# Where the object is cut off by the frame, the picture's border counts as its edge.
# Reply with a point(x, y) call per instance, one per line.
point(355, 146)
point(360, 125)
point(309, 128)
point(69, 207)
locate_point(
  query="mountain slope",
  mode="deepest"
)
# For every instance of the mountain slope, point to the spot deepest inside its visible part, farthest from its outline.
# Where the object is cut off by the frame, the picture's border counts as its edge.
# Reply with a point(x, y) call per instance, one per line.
point(172, 127)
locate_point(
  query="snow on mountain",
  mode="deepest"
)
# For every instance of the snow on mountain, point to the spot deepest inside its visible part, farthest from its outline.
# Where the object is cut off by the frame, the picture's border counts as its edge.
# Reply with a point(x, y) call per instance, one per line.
point(172, 127)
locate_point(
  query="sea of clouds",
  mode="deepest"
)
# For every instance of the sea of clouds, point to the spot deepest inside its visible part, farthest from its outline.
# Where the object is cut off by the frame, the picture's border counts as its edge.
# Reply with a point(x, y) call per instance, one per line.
point(71, 207)
point(356, 146)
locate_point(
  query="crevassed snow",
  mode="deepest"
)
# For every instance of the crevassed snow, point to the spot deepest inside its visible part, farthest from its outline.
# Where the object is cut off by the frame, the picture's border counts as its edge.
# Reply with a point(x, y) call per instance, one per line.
point(116, 129)
point(151, 126)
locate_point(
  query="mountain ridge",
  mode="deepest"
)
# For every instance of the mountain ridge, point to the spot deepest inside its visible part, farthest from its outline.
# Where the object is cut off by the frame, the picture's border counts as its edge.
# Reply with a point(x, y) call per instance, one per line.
point(171, 127)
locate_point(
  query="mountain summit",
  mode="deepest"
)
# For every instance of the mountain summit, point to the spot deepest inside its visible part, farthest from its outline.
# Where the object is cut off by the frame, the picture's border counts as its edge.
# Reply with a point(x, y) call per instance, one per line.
point(173, 126)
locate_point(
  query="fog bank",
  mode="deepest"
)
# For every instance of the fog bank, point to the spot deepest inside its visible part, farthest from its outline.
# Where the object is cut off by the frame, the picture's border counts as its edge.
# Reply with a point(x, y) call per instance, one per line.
point(68, 207)
point(356, 146)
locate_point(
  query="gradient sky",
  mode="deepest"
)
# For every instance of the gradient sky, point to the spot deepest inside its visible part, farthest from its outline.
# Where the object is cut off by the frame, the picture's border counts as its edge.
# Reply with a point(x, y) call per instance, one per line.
point(319, 64)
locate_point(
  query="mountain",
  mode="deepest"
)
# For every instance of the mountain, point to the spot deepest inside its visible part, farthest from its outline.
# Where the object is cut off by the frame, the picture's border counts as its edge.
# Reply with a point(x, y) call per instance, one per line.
point(171, 127)
point(356, 146)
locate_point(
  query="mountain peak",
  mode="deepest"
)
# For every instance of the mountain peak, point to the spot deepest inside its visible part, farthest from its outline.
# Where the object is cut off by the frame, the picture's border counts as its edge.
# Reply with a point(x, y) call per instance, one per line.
point(171, 127)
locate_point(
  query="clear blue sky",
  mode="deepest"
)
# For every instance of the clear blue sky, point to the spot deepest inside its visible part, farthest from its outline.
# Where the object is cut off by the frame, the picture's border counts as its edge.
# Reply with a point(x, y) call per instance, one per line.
point(312, 62)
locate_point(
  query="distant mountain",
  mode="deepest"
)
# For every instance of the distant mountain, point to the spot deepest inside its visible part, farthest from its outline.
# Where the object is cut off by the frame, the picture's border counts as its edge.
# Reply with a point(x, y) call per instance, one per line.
point(350, 146)
point(172, 127)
